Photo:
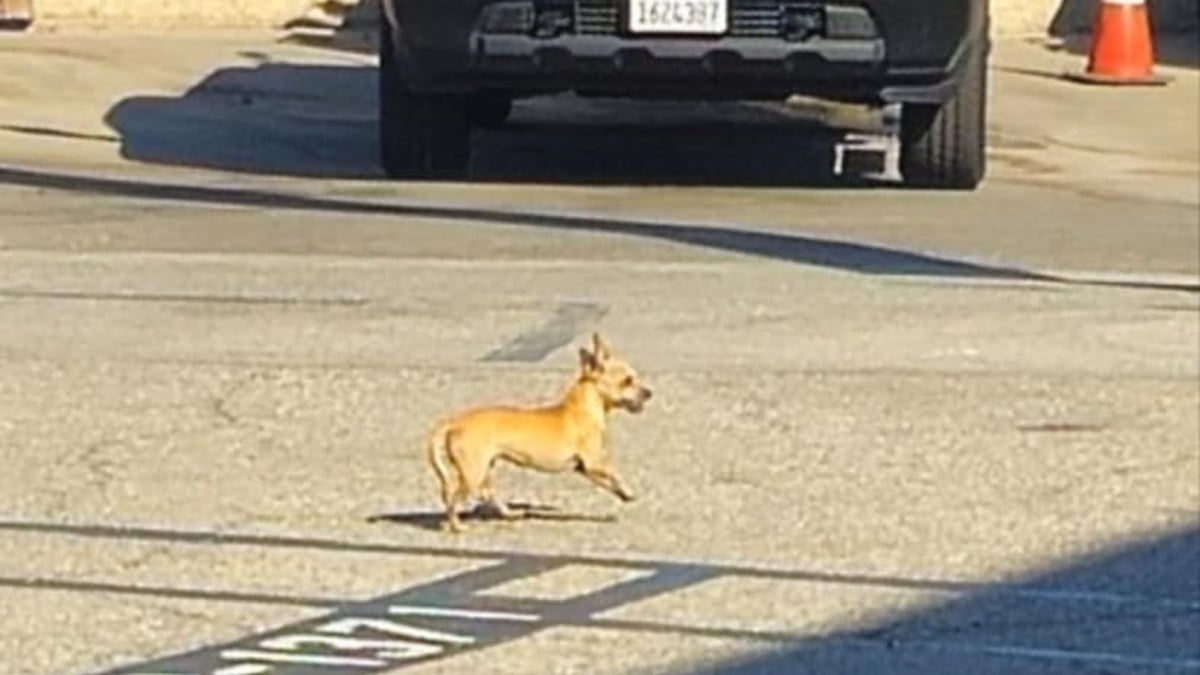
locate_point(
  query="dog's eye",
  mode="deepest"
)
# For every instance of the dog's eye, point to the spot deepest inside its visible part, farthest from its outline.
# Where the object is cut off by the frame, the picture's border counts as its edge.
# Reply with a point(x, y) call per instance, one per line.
point(627, 381)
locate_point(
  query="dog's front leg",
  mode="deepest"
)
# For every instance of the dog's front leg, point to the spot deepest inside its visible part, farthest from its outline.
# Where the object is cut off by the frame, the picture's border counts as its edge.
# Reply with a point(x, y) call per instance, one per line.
point(603, 475)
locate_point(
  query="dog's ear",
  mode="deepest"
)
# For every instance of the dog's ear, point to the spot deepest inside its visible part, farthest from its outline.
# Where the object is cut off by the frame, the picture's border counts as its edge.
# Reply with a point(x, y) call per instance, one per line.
point(588, 363)
point(599, 348)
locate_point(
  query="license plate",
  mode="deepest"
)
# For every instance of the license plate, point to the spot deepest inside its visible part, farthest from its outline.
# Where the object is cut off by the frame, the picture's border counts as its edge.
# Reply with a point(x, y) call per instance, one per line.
point(703, 17)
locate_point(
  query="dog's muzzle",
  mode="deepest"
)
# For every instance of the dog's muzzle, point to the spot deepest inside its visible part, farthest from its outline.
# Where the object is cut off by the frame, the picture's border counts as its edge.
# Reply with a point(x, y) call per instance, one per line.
point(636, 403)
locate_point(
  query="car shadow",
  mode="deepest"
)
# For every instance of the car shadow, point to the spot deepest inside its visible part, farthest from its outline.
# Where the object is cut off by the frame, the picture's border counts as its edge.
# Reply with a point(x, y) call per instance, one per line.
point(319, 120)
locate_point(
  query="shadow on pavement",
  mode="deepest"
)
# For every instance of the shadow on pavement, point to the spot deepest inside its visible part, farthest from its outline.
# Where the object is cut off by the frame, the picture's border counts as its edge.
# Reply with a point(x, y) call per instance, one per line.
point(319, 120)
point(850, 256)
point(265, 118)
point(1132, 610)
point(845, 255)
point(432, 520)
point(1129, 608)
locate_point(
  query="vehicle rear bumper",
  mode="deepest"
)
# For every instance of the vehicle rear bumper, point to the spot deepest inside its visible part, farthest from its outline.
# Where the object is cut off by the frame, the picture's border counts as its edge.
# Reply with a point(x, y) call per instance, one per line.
point(729, 66)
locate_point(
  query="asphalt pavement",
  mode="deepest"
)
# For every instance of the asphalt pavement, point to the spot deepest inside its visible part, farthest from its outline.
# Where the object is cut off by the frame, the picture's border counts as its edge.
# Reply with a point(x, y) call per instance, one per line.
point(894, 431)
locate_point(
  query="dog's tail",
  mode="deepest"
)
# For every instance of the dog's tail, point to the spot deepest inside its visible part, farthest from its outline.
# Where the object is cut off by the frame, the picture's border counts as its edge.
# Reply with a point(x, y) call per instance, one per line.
point(437, 451)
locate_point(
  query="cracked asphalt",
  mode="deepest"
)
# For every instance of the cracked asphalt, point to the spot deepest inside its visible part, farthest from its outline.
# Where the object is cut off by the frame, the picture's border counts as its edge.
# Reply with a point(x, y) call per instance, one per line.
point(893, 432)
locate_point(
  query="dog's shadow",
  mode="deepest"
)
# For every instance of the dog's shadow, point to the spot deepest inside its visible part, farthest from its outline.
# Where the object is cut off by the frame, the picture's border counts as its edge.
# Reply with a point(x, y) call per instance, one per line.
point(432, 520)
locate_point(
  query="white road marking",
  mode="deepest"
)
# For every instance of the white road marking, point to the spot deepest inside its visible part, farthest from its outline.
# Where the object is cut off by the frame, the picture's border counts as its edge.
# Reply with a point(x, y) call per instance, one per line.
point(305, 659)
point(245, 669)
point(351, 624)
point(482, 615)
point(393, 649)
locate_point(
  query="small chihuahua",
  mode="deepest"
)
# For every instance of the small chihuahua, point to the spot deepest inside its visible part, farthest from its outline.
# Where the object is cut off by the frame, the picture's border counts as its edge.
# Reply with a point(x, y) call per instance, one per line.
point(567, 435)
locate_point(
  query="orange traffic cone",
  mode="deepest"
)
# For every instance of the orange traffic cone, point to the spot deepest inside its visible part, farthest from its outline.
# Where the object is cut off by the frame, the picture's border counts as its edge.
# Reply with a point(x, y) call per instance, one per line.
point(1122, 50)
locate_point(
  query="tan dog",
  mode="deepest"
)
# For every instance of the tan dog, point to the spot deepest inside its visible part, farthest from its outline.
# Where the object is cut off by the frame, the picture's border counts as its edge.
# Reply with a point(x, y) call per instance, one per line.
point(567, 435)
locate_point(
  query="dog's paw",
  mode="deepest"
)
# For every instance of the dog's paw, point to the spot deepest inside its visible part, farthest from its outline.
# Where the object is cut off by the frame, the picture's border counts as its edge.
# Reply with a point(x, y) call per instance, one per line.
point(627, 496)
point(453, 528)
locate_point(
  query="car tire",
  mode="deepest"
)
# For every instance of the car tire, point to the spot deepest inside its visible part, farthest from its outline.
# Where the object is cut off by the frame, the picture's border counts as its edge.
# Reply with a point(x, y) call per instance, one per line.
point(945, 146)
point(489, 111)
point(421, 136)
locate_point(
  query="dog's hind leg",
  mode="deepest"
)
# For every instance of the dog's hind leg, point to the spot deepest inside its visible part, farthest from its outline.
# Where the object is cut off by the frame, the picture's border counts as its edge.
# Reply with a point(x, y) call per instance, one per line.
point(471, 477)
point(454, 490)
point(488, 493)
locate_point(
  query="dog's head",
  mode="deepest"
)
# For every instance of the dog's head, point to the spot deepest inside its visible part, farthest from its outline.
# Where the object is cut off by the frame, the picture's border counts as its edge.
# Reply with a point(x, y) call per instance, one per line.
point(616, 381)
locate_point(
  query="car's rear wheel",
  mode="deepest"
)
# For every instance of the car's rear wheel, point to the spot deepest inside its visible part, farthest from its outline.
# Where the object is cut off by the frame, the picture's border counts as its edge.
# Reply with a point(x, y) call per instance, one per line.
point(421, 136)
point(944, 146)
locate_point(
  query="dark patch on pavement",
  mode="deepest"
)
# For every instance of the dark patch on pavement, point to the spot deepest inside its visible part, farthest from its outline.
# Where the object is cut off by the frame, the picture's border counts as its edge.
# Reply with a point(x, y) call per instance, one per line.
point(1060, 427)
point(568, 320)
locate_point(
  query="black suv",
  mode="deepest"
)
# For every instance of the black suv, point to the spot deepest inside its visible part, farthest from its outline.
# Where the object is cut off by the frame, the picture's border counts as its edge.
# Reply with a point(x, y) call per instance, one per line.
point(449, 65)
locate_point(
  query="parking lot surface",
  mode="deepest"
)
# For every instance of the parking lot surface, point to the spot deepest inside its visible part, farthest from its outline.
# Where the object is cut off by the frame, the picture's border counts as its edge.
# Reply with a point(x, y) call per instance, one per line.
point(893, 431)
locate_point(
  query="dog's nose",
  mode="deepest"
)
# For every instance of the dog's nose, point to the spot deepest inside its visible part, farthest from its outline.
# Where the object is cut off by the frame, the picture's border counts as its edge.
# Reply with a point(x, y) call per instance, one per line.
point(646, 393)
